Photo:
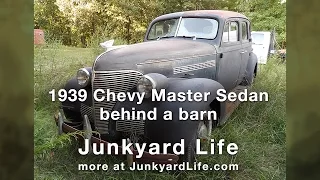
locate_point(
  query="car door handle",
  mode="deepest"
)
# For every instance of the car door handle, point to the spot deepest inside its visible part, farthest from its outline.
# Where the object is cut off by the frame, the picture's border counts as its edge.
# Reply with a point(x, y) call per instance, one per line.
point(242, 52)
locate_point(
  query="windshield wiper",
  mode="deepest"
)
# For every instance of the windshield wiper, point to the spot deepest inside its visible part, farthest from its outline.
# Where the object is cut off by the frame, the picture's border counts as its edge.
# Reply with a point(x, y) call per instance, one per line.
point(193, 37)
point(161, 37)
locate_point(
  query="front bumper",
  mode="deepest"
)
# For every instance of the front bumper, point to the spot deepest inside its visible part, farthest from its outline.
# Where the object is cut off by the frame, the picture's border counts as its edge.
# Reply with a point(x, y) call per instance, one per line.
point(65, 127)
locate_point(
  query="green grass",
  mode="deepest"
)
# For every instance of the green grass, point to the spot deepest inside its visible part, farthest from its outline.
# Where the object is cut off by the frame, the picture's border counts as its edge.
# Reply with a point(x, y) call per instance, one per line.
point(257, 128)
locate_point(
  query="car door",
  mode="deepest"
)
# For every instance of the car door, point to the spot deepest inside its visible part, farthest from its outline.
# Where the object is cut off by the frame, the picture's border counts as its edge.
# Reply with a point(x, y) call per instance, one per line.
point(229, 55)
point(261, 45)
point(246, 48)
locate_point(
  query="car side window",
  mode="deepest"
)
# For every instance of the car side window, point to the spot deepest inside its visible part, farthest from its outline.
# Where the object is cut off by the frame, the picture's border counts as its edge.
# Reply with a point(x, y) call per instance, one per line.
point(244, 30)
point(230, 32)
point(233, 32)
point(225, 35)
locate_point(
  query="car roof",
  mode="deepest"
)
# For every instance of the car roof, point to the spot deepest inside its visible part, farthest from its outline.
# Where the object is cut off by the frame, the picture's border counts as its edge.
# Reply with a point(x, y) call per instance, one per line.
point(221, 14)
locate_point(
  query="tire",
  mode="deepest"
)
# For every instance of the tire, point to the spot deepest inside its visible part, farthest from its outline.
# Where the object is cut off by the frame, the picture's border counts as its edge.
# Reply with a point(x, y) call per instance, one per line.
point(190, 152)
point(248, 79)
point(73, 119)
point(72, 115)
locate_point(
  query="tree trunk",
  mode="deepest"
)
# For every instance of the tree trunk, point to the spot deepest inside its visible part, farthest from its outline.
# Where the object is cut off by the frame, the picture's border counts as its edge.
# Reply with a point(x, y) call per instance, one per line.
point(128, 30)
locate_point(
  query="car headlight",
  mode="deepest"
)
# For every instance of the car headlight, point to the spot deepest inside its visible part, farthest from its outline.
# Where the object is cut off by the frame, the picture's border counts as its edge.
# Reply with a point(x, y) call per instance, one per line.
point(145, 84)
point(151, 81)
point(83, 77)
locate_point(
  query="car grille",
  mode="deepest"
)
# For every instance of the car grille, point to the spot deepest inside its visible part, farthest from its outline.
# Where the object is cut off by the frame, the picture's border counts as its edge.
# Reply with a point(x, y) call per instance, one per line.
point(131, 126)
point(115, 81)
point(86, 110)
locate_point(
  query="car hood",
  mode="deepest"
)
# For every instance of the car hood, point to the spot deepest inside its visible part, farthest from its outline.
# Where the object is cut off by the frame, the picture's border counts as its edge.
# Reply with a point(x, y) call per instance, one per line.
point(131, 56)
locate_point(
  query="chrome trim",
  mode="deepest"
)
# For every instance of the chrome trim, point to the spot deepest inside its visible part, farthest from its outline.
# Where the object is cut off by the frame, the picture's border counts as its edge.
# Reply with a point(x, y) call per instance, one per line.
point(88, 75)
point(153, 82)
point(131, 126)
point(87, 110)
point(174, 59)
point(115, 81)
point(94, 63)
point(193, 67)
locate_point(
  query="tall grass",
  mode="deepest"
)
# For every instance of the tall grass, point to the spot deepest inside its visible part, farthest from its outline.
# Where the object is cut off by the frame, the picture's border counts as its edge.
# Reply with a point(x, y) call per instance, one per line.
point(257, 128)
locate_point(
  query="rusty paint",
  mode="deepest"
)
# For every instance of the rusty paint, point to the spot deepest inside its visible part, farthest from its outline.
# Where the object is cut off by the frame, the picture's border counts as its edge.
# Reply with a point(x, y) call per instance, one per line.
point(38, 35)
point(221, 13)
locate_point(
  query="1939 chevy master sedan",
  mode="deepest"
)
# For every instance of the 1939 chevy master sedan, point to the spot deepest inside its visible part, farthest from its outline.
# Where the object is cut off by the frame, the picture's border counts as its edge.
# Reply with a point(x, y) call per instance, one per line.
point(201, 51)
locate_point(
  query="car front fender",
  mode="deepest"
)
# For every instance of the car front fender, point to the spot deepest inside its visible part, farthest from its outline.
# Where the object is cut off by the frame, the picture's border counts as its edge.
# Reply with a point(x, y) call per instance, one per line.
point(72, 109)
point(172, 131)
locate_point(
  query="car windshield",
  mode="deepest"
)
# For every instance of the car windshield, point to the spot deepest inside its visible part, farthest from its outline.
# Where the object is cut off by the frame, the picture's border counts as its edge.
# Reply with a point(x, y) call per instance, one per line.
point(202, 28)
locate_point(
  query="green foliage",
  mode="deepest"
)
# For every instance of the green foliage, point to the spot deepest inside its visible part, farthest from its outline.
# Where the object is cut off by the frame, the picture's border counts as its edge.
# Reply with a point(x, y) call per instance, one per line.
point(47, 16)
point(77, 22)
point(266, 15)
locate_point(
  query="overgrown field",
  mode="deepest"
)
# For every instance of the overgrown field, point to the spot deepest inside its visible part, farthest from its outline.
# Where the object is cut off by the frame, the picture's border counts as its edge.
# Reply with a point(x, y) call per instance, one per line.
point(257, 128)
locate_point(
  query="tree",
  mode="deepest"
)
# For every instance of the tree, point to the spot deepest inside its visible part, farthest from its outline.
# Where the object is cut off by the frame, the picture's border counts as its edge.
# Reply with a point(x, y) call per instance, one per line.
point(48, 17)
point(77, 22)
point(266, 15)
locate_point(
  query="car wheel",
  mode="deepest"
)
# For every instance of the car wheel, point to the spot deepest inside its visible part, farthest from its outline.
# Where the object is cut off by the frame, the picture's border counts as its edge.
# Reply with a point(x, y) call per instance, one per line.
point(72, 116)
point(248, 79)
point(190, 152)
point(203, 132)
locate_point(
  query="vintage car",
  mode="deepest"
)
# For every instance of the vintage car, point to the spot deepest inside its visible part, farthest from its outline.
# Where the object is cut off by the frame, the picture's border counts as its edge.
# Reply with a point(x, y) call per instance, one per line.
point(201, 51)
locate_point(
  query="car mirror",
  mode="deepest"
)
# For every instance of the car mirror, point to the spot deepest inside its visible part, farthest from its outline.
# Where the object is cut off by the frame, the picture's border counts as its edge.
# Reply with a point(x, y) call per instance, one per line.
point(250, 39)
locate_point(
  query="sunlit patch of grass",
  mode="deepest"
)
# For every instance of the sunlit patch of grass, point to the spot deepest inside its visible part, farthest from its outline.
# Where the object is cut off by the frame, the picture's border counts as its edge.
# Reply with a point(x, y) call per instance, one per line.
point(257, 128)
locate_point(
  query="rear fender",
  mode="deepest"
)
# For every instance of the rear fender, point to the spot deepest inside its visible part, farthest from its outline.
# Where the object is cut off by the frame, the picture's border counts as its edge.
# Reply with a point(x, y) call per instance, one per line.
point(251, 70)
point(252, 63)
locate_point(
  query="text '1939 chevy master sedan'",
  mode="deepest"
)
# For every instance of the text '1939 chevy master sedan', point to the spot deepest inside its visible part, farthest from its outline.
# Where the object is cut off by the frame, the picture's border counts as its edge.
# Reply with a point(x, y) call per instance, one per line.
point(198, 51)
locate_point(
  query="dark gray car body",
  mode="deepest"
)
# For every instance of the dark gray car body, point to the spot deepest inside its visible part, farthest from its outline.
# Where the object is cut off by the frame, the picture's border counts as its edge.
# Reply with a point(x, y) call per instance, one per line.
point(199, 65)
